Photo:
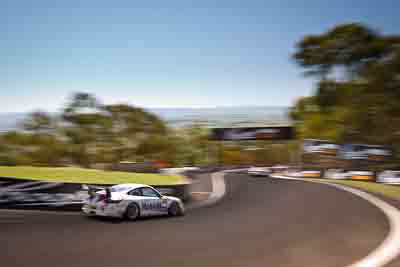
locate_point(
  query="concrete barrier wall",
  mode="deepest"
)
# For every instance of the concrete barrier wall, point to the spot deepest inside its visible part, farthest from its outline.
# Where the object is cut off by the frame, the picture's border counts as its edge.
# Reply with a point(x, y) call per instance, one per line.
point(34, 194)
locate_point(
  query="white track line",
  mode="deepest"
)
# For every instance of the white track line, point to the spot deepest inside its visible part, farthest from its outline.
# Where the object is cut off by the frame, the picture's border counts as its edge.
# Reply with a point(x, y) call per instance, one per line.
point(218, 191)
point(389, 249)
point(219, 188)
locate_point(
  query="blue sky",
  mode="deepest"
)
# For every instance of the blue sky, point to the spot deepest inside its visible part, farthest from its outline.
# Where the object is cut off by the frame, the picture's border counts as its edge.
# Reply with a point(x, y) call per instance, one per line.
point(165, 53)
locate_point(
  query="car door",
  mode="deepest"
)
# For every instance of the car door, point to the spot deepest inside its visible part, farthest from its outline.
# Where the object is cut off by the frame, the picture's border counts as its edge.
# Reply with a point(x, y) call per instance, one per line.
point(152, 202)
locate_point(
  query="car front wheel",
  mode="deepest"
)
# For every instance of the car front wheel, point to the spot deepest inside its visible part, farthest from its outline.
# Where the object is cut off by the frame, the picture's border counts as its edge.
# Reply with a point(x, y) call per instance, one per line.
point(175, 210)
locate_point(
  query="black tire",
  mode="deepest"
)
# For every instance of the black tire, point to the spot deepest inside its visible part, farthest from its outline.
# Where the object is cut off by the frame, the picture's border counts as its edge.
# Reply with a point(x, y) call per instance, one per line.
point(132, 212)
point(175, 210)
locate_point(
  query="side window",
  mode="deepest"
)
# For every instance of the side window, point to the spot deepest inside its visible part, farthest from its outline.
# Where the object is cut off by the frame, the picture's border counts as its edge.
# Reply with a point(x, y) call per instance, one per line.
point(149, 192)
point(135, 192)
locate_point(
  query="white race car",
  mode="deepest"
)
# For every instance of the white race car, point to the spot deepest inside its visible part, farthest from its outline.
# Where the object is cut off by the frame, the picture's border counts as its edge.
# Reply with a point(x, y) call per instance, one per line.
point(131, 201)
point(259, 171)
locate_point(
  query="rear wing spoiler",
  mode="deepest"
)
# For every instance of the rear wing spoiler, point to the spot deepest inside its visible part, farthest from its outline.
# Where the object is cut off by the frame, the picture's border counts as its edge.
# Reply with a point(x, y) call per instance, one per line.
point(108, 193)
point(93, 189)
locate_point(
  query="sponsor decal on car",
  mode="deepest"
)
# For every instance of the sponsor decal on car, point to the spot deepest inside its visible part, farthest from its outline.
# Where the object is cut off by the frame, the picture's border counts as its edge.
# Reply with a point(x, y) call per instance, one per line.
point(152, 205)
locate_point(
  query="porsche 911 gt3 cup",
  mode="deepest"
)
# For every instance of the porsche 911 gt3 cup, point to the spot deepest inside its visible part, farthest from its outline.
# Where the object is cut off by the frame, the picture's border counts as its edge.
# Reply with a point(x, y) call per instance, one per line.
point(259, 171)
point(131, 201)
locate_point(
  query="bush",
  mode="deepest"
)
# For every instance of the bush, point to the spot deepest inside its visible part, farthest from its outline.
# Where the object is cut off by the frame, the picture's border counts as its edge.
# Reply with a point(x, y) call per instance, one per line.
point(7, 160)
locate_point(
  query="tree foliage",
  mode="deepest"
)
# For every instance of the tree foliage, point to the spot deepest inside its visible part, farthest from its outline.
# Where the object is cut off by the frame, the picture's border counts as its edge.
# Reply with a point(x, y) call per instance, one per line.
point(351, 46)
point(358, 89)
point(87, 132)
point(39, 122)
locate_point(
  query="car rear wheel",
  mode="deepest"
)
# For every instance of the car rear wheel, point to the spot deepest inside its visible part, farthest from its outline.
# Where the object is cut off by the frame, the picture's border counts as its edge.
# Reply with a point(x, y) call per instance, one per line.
point(132, 212)
point(175, 210)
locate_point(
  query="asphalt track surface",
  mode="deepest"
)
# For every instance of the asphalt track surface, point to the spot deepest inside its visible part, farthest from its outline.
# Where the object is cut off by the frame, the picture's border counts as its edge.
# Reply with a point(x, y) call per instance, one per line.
point(259, 222)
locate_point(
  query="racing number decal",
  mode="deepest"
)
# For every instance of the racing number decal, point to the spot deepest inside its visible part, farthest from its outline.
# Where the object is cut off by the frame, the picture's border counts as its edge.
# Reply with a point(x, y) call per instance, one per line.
point(152, 205)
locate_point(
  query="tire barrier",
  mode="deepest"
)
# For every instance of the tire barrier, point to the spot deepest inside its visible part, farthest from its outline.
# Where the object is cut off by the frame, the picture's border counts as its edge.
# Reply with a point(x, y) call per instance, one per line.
point(304, 174)
point(384, 177)
point(32, 194)
point(389, 177)
point(340, 174)
point(362, 176)
point(337, 174)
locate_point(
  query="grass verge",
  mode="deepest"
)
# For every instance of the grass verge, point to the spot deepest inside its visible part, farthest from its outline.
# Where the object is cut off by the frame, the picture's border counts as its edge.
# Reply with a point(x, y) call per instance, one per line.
point(88, 176)
point(390, 191)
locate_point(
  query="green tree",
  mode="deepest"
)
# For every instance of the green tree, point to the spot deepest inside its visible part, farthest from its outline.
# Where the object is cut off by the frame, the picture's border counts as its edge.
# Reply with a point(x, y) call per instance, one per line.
point(349, 46)
point(108, 133)
point(130, 126)
point(39, 122)
point(85, 125)
point(356, 97)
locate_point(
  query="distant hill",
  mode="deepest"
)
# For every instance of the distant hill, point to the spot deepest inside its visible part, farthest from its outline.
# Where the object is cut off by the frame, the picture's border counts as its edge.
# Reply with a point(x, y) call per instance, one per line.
point(223, 116)
point(9, 121)
point(180, 117)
